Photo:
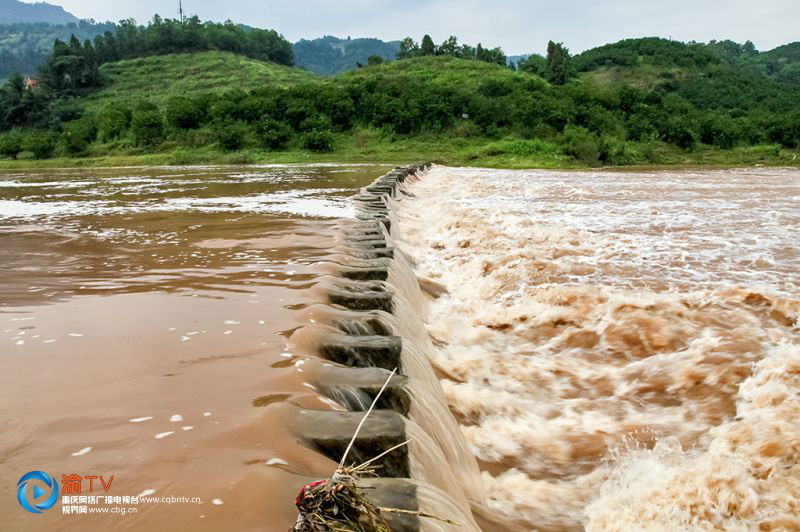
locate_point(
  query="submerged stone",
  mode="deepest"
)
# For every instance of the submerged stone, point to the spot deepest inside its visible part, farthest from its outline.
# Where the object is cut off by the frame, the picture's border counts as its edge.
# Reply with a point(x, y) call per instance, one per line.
point(330, 432)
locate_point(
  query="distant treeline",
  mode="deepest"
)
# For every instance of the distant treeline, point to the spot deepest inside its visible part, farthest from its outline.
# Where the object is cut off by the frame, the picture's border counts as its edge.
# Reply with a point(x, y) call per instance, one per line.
point(25, 47)
point(165, 36)
point(450, 47)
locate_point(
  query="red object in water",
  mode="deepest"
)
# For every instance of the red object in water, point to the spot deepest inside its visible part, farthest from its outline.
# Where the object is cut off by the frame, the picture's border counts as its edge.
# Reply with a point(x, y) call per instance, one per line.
point(299, 499)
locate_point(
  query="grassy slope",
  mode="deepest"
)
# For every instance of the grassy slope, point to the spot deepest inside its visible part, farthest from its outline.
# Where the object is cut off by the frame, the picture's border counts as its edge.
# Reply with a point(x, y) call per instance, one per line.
point(159, 77)
point(644, 76)
point(443, 70)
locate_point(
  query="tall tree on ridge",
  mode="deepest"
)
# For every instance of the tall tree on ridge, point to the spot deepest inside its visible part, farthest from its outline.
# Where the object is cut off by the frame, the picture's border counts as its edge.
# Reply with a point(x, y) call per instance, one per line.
point(427, 47)
point(558, 65)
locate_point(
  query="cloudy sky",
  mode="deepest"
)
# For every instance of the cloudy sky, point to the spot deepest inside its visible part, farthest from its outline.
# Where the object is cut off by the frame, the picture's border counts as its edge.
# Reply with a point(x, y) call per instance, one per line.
point(518, 26)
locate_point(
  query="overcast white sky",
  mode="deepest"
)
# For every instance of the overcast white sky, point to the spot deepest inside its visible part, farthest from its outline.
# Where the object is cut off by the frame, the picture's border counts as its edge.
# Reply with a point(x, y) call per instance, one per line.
point(518, 26)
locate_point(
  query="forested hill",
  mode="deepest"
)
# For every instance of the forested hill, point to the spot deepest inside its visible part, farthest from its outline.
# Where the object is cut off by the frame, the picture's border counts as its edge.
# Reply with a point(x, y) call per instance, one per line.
point(14, 11)
point(639, 101)
point(330, 55)
point(654, 59)
point(25, 46)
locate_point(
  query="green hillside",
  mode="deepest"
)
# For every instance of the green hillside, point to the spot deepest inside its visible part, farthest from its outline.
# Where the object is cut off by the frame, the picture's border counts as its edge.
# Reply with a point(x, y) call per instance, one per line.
point(652, 62)
point(442, 71)
point(158, 78)
point(634, 103)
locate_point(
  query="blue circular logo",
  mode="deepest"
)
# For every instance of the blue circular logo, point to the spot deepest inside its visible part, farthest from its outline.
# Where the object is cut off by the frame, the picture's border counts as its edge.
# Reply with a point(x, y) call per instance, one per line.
point(22, 491)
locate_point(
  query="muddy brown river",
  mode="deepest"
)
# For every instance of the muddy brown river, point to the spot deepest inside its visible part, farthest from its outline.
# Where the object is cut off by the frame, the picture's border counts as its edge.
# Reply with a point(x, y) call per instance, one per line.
point(144, 317)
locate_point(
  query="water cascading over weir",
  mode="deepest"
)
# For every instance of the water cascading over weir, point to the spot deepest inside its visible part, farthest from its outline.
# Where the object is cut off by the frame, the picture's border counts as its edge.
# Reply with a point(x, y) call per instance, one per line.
point(369, 322)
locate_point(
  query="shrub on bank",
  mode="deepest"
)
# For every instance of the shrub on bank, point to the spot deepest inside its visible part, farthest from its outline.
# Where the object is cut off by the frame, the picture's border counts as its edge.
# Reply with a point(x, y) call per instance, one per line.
point(77, 135)
point(272, 134)
point(184, 113)
point(41, 144)
point(147, 125)
point(581, 144)
point(231, 135)
point(318, 141)
point(11, 144)
point(113, 121)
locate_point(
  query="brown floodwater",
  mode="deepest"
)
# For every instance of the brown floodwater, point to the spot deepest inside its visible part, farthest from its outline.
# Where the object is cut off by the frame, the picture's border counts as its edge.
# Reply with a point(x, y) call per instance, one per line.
point(144, 324)
point(621, 349)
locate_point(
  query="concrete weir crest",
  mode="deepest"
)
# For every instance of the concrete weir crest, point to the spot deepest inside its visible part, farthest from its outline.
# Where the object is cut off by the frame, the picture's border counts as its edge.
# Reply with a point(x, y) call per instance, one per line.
point(365, 336)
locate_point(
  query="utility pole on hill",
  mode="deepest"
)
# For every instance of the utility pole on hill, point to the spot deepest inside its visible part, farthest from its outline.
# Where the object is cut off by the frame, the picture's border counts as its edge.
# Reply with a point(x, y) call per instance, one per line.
point(180, 9)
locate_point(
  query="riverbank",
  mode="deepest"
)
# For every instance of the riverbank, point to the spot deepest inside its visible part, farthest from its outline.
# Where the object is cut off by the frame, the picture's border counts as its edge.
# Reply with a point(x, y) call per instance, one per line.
point(368, 146)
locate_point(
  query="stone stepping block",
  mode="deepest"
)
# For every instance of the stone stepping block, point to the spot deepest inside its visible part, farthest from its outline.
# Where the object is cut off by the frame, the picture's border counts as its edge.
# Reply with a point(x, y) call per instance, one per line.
point(364, 274)
point(363, 351)
point(329, 432)
point(364, 295)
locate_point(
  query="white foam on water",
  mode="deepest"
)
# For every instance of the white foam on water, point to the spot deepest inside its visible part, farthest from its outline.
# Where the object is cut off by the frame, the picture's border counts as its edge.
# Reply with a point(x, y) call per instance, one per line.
point(82, 452)
point(622, 347)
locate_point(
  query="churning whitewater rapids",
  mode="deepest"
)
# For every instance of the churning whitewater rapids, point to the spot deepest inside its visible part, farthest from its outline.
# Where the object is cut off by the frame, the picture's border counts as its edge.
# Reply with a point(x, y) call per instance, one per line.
point(620, 349)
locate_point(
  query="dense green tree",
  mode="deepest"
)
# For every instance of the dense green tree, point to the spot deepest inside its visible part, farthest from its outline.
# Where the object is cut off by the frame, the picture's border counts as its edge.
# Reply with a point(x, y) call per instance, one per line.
point(41, 143)
point(533, 64)
point(71, 69)
point(77, 135)
point(11, 144)
point(272, 133)
point(113, 121)
point(720, 130)
point(558, 68)
point(184, 113)
point(231, 135)
point(786, 129)
point(408, 49)
point(147, 125)
point(495, 55)
point(427, 47)
point(580, 143)
point(449, 47)
point(319, 141)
